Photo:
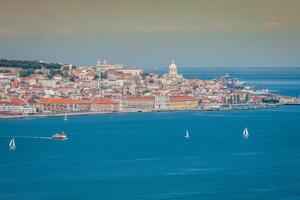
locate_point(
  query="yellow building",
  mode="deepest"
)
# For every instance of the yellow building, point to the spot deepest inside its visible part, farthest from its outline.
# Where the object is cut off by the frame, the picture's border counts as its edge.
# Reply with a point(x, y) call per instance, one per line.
point(138, 103)
point(183, 102)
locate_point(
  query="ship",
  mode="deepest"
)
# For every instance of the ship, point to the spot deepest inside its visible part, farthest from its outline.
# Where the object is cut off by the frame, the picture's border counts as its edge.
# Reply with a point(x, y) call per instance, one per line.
point(60, 136)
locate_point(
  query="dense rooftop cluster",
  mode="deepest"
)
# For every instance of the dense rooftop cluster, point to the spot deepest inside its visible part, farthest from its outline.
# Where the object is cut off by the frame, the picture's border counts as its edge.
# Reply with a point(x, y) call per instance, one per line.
point(115, 88)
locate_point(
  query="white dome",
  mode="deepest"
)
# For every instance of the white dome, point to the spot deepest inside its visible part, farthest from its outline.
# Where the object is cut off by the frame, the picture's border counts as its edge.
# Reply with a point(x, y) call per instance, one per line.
point(173, 66)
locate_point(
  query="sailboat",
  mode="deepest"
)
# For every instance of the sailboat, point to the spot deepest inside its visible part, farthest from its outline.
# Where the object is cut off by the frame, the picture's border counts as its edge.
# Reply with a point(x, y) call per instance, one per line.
point(66, 117)
point(246, 133)
point(12, 144)
point(187, 135)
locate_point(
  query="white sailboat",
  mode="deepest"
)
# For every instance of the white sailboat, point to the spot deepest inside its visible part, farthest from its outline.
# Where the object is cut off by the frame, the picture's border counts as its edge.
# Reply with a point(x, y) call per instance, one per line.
point(12, 144)
point(66, 117)
point(187, 135)
point(246, 133)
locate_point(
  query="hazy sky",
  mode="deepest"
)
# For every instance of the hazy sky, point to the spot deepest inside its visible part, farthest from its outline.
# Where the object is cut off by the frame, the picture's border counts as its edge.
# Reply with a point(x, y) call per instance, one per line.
point(151, 33)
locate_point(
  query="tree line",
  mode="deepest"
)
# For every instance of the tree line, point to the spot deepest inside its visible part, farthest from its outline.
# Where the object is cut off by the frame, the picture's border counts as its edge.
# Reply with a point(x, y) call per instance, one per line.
point(25, 64)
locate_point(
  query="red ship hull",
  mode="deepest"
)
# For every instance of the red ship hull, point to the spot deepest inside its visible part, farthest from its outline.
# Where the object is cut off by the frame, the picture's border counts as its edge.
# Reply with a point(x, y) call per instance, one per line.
point(59, 136)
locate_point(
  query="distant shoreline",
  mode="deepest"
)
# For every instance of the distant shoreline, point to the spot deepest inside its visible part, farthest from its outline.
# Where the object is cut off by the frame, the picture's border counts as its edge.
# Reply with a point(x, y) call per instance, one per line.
point(220, 109)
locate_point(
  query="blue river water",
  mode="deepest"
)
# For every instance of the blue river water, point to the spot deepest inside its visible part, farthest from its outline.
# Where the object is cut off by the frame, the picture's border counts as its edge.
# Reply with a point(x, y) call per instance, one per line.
point(143, 156)
point(285, 81)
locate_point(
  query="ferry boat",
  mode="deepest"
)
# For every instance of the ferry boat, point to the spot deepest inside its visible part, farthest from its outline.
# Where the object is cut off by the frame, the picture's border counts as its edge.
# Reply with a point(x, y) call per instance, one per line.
point(59, 136)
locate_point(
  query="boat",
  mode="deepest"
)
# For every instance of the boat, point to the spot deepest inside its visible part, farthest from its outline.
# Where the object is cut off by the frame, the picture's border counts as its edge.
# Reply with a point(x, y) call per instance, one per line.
point(66, 117)
point(187, 135)
point(12, 144)
point(60, 136)
point(246, 133)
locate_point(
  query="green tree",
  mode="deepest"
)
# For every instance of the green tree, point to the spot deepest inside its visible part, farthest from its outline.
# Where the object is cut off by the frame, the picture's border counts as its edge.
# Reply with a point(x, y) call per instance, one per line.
point(103, 76)
point(97, 76)
point(65, 73)
point(25, 64)
point(54, 72)
point(145, 74)
point(72, 78)
point(145, 91)
point(26, 72)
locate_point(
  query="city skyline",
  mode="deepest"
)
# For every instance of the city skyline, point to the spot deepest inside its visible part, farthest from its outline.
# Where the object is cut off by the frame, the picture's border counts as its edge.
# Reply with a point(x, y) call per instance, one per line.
point(151, 33)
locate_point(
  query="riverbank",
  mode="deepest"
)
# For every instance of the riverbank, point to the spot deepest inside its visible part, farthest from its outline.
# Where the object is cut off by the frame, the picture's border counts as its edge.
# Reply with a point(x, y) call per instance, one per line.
point(231, 107)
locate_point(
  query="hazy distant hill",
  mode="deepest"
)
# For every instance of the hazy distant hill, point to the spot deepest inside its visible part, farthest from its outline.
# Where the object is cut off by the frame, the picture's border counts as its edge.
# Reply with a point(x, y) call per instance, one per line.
point(28, 64)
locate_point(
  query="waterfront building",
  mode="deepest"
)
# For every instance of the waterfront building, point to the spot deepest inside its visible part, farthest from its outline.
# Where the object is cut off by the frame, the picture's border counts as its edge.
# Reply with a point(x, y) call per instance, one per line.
point(136, 103)
point(131, 89)
point(63, 105)
point(78, 105)
point(16, 106)
point(104, 105)
point(183, 102)
point(162, 102)
point(32, 102)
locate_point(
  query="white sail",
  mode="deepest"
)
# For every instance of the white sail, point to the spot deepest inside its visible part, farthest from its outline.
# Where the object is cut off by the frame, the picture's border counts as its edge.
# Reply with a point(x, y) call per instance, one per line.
point(187, 135)
point(245, 133)
point(12, 145)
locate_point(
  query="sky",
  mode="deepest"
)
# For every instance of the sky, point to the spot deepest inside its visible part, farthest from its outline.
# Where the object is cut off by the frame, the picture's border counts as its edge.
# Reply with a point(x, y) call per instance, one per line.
point(196, 33)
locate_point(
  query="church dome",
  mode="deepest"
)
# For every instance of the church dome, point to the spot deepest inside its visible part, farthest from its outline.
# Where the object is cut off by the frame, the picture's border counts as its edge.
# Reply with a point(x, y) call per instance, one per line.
point(173, 66)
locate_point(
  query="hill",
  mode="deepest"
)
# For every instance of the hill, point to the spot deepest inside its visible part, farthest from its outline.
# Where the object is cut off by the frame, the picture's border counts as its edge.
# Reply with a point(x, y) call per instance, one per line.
point(25, 64)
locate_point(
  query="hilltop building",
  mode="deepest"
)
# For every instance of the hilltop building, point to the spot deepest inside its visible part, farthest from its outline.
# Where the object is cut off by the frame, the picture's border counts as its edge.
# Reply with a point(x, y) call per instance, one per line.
point(173, 71)
point(100, 66)
point(131, 70)
point(67, 67)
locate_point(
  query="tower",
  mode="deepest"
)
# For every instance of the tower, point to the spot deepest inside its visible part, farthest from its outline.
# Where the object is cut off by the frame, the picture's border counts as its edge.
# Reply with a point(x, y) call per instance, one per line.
point(98, 64)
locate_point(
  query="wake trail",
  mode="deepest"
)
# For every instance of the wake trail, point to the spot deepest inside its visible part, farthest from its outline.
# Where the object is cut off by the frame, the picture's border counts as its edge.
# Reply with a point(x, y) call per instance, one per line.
point(27, 137)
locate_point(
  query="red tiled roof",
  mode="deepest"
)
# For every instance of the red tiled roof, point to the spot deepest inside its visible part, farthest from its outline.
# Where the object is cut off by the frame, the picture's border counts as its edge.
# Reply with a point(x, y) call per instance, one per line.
point(103, 101)
point(63, 101)
point(14, 102)
point(74, 101)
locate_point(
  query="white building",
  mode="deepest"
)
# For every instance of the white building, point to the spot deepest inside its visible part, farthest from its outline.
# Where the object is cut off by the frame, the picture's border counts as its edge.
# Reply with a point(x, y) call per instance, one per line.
point(106, 66)
point(162, 102)
point(17, 109)
point(131, 70)
point(173, 71)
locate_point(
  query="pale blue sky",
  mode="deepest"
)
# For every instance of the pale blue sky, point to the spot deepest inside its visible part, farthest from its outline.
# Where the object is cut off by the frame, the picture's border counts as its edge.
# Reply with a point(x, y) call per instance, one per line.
point(150, 33)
